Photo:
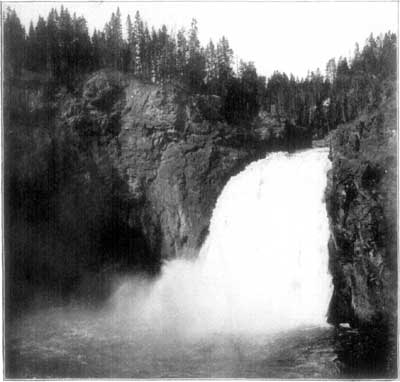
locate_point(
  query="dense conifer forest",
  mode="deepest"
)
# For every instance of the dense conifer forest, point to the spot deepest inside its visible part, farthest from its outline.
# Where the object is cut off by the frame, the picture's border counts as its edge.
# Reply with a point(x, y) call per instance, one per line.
point(60, 47)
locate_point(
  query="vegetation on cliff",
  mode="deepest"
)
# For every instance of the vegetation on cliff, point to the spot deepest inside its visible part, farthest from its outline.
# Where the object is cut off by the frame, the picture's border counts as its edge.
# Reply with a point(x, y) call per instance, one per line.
point(362, 200)
point(61, 48)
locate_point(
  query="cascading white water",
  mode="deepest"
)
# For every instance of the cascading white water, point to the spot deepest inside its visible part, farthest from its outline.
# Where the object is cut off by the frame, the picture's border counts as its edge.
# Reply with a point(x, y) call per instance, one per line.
point(264, 265)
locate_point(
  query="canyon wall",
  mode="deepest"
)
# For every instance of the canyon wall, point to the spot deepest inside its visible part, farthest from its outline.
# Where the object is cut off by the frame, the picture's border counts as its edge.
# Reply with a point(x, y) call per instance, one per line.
point(172, 150)
point(116, 175)
point(362, 207)
point(362, 201)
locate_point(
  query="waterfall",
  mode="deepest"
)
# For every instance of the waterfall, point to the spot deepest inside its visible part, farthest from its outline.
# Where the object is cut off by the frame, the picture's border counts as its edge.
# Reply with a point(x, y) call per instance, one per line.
point(264, 265)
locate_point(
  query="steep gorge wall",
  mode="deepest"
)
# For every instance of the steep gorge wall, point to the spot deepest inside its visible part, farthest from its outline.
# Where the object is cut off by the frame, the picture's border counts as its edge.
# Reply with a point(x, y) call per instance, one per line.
point(362, 205)
point(173, 157)
point(118, 174)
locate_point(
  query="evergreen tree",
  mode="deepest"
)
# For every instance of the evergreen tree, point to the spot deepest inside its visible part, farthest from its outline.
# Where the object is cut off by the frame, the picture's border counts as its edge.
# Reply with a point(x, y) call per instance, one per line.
point(138, 44)
point(211, 67)
point(181, 54)
point(224, 64)
point(249, 89)
point(131, 45)
point(31, 49)
point(195, 67)
point(114, 42)
point(99, 50)
point(147, 65)
point(41, 52)
point(331, 70)
point(65, 39)
point(387, 58)
point(53, 48)
point(81, 46)
point(14, 44)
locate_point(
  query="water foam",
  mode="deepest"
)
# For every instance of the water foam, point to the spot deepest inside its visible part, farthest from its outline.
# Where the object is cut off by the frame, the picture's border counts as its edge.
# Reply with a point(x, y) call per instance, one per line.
point(264, 265)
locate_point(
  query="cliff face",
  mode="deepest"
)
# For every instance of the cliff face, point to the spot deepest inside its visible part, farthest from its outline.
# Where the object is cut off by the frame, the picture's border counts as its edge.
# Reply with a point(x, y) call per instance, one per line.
point(362, 202)
point(172, 150)
point(118, 173)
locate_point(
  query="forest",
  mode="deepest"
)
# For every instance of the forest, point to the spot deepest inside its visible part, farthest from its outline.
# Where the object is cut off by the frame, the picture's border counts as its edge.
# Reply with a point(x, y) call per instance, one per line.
point(61, 47)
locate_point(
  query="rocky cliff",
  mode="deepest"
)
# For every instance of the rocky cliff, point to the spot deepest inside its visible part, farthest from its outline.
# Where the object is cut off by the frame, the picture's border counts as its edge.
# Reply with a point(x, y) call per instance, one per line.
point(362, 203)
point(173, 151)
point(117, 172)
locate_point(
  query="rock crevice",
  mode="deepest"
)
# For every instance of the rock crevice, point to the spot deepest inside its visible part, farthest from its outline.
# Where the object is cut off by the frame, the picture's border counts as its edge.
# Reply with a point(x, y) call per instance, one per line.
point(361, 203)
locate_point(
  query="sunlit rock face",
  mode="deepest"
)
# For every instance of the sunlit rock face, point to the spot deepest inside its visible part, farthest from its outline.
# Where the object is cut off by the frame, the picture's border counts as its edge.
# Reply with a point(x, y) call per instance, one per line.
point(264, 265)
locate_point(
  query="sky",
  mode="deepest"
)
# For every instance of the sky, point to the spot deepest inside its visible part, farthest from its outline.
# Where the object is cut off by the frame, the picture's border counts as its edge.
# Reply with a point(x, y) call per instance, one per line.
point(292, 37)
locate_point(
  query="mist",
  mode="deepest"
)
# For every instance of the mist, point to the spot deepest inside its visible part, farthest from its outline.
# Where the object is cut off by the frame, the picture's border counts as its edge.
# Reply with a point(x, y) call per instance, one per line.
point(262, 269)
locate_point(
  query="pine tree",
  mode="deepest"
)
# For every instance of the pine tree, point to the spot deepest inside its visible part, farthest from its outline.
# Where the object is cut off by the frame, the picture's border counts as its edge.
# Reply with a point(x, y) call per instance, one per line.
point(31, 49)
point(387, 58)
point(249, 88)
point(114, 41)
point(193, 42)
point(181, 54)
point(165, 48)
point(195, 67)
point(65, 39)
point(211, 67)
point(131, 44)
point(99, 50)
point(81, 46)
point(370, 56)
point(138, 39)
point(118, 44)
point(14, 43)
point(145, 53)
point(331, 70)
point(224, 64)
point(53, 47)
point(42, 37)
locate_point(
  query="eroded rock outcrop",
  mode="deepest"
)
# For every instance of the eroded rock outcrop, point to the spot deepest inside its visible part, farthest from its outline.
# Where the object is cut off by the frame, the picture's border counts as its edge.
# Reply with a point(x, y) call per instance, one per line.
point(361, 202)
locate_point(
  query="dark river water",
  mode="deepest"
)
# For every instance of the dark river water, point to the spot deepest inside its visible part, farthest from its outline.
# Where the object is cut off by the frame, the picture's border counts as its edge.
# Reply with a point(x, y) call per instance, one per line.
point(72, 343)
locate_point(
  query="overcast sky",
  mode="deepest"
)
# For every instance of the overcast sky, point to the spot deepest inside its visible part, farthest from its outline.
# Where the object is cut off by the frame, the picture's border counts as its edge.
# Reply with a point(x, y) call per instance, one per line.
point(293, 37)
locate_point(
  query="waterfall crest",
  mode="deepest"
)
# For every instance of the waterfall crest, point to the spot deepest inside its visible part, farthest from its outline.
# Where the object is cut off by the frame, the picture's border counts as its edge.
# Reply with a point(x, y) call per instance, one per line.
point(264, 265)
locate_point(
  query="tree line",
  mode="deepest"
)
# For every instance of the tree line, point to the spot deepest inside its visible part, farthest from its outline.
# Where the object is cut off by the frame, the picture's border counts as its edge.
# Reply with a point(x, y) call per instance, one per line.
point(61, 47)
point(322, 102)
